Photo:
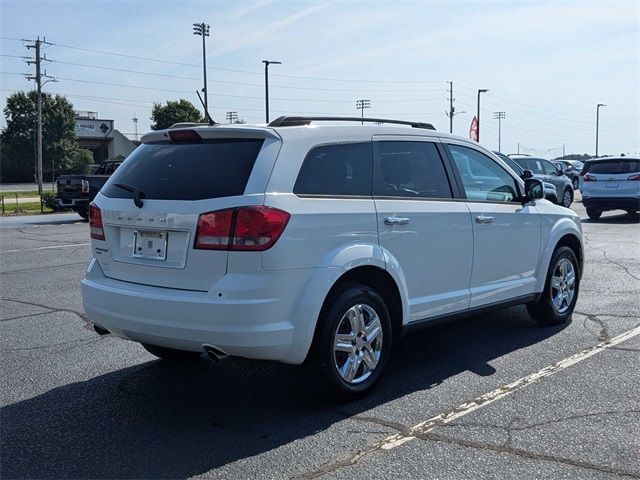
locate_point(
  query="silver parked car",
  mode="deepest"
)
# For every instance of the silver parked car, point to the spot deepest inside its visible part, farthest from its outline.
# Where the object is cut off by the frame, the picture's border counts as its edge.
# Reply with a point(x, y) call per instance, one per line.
point(546, 171)
point(549, 189)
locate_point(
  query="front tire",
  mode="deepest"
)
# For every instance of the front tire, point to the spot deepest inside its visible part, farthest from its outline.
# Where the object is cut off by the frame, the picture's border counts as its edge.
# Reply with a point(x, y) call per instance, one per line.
point(170, 354)
point(594, 214)
point(83, 213)
point(560, 291)
point(353, 341)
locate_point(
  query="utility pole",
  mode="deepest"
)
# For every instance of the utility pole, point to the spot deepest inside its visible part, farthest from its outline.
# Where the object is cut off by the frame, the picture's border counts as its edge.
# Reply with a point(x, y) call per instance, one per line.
point(37, 45)
point(518, 148)
point(361, 105)
point(483, 90)
point(598, 123)
point(452, 109)
point(135, 126)
point(202, 29)
point(232, 117)
point(266, 86)
point(500, 116)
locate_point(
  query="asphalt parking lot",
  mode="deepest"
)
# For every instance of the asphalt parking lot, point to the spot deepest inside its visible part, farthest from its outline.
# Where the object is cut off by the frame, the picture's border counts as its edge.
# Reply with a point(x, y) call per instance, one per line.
point(77, 405)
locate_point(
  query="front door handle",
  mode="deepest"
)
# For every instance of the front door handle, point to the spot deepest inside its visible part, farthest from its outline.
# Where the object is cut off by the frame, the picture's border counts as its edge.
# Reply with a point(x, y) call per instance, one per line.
point(396, 220)
point(484, 219)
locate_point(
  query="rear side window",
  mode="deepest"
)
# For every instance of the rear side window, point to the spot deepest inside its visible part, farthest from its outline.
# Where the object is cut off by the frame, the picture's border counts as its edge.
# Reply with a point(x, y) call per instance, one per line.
point(613, 167)
point(217, 168)
point(410, 169)
point(339, 169)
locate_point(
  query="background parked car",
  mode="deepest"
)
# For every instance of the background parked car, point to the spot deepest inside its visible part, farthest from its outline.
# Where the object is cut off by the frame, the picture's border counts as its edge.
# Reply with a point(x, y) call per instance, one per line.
point(549, 189)
point(571, 169)
point(611, 183)
point(546, 171)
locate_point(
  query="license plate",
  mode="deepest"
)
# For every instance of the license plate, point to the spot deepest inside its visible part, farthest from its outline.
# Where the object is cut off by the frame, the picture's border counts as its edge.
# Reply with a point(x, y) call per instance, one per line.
point(150, 245)
point(611, 185)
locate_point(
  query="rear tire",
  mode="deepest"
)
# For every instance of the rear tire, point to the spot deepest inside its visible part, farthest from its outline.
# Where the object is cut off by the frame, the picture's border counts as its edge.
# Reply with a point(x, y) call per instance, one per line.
point(576, 184)
point(84, 214)
point(567, 198)
point(170, 354)
point(593, 213)
point(352, 342)
point(561, 288)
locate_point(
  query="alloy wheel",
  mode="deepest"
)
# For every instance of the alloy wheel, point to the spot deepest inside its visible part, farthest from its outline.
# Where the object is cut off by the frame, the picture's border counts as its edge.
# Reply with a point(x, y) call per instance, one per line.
point(563, 285)
point(357, 343)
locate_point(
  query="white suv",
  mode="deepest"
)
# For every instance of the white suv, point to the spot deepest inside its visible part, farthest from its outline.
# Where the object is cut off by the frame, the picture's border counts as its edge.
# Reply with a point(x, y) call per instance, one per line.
point(319, 242)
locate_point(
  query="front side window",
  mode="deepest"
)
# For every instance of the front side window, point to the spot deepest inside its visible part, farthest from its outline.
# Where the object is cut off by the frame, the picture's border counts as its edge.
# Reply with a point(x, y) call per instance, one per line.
point(339, 169)
point(483, 179)
point(548, 168)
point(410, 169)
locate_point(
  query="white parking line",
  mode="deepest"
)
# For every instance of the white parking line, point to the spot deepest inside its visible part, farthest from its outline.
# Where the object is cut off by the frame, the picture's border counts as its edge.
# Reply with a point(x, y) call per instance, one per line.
point(47, 248)
point(488, 398)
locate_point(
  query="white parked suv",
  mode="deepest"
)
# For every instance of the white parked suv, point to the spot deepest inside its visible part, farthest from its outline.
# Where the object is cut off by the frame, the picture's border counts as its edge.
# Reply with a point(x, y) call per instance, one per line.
point(319, 242)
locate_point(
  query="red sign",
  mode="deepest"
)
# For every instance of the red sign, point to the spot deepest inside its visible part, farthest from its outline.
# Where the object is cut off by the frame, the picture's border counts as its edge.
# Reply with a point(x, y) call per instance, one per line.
point(473, 129)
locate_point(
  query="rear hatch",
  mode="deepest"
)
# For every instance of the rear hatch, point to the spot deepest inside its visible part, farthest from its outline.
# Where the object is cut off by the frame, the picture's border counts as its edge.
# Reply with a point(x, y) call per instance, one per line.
point(612, 178)
point(70, 186)
point(153, 243)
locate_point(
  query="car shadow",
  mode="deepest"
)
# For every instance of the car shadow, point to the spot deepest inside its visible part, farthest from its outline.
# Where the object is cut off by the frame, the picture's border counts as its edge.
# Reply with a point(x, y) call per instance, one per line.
point(155, 420)
point(619, 219)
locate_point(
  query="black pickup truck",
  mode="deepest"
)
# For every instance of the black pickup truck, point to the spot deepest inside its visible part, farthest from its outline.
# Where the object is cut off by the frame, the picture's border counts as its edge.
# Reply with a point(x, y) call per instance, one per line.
point(77, 191)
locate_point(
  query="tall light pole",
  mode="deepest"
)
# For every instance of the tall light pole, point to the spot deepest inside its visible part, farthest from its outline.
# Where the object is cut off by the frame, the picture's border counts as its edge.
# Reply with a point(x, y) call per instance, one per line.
point(266, 86)
point(598, 123)
point(482, 90)
point(361, 105)
point(232, 117)
point(202, 29)
point(499, 116)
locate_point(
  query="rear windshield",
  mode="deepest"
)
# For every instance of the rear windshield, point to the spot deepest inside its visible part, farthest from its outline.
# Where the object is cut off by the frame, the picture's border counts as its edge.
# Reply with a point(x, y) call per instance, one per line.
point(217, 168)
point(613, 167)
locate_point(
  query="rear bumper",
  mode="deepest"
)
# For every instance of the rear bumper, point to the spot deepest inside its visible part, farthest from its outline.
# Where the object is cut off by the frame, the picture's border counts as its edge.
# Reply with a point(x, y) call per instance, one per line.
point(612, 203)
point(71, 203)
point(255, 318)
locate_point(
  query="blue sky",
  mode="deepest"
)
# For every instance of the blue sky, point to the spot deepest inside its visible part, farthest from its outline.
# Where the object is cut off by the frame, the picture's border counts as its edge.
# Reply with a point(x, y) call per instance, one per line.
point(547, 64)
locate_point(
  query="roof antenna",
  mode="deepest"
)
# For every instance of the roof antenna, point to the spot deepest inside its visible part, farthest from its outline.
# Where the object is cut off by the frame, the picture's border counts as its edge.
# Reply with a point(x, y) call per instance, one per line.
point(209, 119)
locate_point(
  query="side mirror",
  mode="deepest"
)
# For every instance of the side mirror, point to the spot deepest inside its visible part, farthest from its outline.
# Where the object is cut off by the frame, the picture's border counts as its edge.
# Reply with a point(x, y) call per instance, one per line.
point(526, 174)
point(533, 189)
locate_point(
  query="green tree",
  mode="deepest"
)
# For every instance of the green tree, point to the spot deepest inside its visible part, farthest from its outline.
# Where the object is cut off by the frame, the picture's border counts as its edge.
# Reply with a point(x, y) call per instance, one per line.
point(163, 116)
point(60, 149)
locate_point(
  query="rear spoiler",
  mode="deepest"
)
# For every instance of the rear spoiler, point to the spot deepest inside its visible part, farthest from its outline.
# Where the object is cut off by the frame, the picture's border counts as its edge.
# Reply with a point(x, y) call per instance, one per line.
point(212, 132)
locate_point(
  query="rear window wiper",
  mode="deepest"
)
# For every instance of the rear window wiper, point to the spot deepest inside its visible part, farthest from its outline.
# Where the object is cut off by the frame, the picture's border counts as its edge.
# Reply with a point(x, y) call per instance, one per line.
point(137, 194)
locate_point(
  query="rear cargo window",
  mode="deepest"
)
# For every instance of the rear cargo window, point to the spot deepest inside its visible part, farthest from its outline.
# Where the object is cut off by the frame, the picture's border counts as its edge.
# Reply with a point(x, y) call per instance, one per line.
point(217, 168)
point(613, 167)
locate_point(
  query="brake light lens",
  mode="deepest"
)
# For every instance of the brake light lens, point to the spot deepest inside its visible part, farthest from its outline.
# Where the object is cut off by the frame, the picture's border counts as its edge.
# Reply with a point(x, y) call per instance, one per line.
point(85, 186)
point(185, 136)
point(245, 228)
point(95, 222)
point(589, 178)
point(214, 230)
point(634, 178)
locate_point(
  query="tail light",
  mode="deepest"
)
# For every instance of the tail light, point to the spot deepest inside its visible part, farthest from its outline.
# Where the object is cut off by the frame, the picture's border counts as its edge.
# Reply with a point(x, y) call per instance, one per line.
point(95, 222)
point(634, 178)
point(245, 228)
point(85, 186)
point(589, 178)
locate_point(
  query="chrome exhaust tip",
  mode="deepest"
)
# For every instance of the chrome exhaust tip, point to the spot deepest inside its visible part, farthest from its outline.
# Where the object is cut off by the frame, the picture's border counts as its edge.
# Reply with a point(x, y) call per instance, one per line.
point(214, 353)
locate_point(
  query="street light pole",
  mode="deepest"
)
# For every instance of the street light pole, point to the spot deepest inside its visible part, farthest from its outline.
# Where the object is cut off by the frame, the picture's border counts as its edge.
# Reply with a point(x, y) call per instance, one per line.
point(266, 86)
point(598, 123)
point(202, 29)
point(482, 90)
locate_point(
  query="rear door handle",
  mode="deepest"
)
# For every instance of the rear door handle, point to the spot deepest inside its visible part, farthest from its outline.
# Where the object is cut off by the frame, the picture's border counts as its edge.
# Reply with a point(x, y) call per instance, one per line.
point(396, 220)
point(484, 219)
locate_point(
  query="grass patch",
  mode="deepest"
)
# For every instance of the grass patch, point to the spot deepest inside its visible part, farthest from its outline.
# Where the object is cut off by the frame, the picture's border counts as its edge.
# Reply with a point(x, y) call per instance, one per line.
point(24, 208)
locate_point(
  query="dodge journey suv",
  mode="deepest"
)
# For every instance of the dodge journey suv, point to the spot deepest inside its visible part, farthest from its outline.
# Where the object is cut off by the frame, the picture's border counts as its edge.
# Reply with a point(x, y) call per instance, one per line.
point(317, 241)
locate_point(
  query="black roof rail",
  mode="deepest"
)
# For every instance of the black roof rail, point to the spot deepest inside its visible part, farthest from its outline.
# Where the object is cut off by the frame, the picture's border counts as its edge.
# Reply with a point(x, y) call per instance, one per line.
point(287, 121)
